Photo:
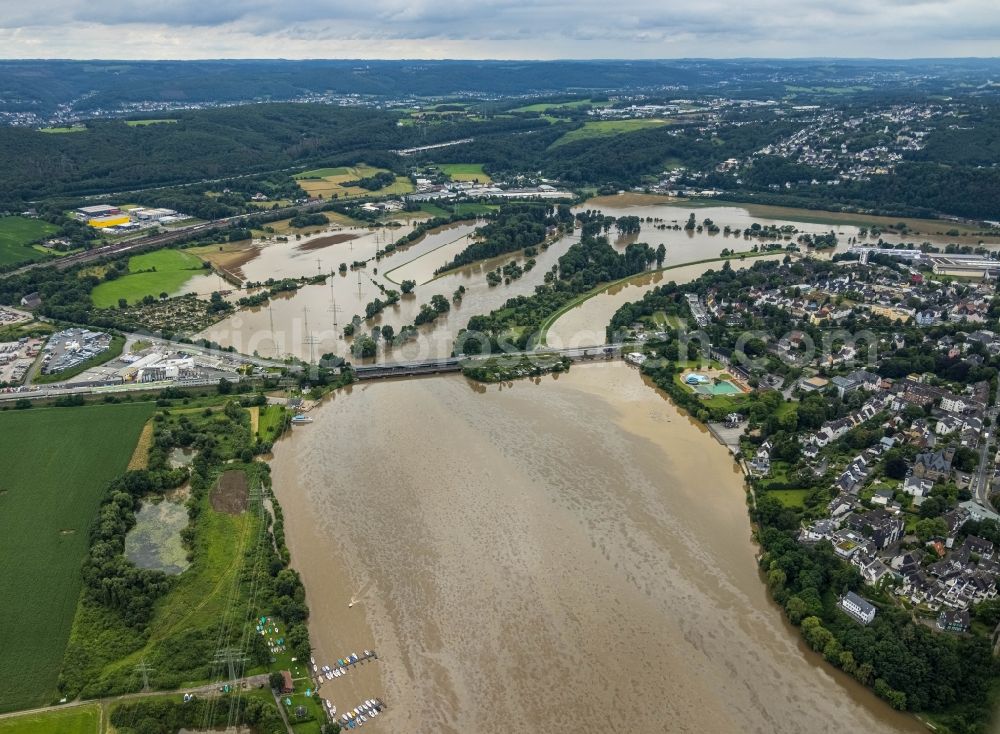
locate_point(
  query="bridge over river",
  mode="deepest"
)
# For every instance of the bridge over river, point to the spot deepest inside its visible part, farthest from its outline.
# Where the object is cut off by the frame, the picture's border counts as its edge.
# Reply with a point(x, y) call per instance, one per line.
point(455, 364)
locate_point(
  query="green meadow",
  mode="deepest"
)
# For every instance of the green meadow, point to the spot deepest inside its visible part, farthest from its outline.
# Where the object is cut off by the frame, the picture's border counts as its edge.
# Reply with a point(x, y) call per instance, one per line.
point(607, 128)
point(77, 720)
point(466, 172)
point(16, 233)
point(150, 274)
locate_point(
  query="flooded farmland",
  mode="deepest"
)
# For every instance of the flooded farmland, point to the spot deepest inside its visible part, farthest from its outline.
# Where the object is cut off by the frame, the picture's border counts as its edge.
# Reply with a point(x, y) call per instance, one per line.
point(518, 568)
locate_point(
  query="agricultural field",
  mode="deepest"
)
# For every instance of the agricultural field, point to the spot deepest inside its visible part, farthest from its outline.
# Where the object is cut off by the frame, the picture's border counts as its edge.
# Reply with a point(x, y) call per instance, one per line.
point(67, 129)
point(77, 720)
point(49, 492)
point(143, 123)
point(329, 182)
point(473, 209)
point(15, 235)
point(284, 227)
point(543, 106)
point(466, 172)
point(150, 274)
point(607, 128)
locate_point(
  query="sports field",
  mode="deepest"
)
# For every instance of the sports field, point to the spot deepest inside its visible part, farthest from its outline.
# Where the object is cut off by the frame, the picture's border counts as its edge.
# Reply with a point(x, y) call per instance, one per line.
point(16, 233)
point(56, 464)
point(162, 271)
point(466, 172)
point(607, 128)
point(328, 182)
point(76, 720)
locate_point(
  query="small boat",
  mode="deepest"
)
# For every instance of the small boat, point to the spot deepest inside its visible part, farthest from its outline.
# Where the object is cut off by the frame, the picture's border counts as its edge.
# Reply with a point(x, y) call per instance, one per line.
point(301, 418)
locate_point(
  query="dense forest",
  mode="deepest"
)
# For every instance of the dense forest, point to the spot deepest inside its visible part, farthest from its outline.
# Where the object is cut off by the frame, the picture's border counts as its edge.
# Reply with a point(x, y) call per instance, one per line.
point(207, 145)
point(41, 86)
point(916, 189)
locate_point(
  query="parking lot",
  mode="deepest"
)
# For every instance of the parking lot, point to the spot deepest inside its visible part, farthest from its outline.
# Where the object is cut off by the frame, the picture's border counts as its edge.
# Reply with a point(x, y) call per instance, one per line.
point(16, 358)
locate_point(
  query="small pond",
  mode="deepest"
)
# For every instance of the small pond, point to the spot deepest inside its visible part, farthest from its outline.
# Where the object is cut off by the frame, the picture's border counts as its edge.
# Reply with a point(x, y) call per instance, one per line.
point(155, 541)
point(181, 457)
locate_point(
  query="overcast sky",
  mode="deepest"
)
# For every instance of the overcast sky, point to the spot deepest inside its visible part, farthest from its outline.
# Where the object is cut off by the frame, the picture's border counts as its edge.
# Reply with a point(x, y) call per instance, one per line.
point(522, 29)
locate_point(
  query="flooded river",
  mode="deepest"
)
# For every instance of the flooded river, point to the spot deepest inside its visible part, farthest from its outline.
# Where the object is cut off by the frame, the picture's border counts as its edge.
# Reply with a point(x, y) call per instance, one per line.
point(309, 322)
point(585, 324)
point(562, 555)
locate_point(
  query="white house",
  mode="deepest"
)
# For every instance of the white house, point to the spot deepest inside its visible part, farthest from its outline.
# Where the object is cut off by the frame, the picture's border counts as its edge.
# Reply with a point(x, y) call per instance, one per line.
point(858, 608)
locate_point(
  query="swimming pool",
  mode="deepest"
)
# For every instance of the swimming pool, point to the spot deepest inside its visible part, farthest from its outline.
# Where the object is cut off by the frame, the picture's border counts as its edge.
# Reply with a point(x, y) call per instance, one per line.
point(721, 388)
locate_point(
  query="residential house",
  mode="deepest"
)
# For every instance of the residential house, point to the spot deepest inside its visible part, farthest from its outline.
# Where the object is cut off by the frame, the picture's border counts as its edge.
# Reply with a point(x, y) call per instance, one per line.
point(844, 385)
point(861, 610)
point(882, 497)
point(882, 527)
point(818, 530)
point(953, 620)
point(979, 512)
point(934, 465)
point(917, 487)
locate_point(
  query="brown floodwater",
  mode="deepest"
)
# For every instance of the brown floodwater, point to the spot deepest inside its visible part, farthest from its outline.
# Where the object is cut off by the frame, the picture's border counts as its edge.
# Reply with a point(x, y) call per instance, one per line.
point(676, 211)
point(584, 325)
point(560, 555)
point(304, 324)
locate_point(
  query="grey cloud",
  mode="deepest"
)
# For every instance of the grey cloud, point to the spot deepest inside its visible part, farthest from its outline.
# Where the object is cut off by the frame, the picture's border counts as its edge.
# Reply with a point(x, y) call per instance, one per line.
point(558, 28)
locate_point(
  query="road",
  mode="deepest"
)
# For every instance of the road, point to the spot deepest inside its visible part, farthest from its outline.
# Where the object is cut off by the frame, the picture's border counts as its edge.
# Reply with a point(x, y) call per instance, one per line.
point(38, 392)
point(984, 473)
point(455, 364)
point(209, 689)
point(363, 372)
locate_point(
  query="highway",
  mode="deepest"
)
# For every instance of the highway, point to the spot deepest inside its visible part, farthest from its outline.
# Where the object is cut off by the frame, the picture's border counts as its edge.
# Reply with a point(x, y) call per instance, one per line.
point(54, 390)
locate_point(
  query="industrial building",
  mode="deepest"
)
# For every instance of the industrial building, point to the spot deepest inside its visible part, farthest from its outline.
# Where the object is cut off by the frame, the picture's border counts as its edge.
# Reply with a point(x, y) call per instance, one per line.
point(976, 266)
point(97, 211)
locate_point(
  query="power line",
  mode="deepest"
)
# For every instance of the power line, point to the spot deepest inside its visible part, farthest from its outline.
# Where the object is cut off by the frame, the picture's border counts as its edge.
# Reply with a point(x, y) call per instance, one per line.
point(144, 670)
point(235, 659)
